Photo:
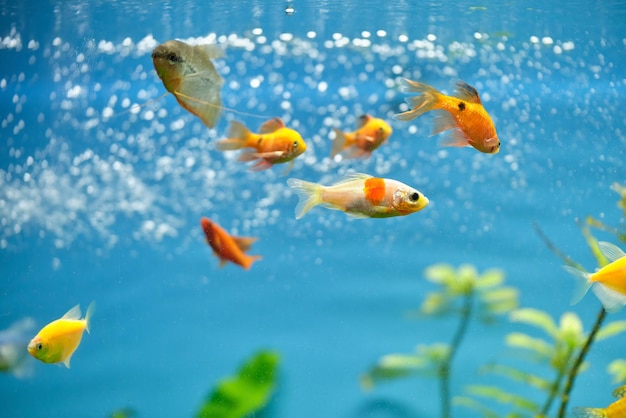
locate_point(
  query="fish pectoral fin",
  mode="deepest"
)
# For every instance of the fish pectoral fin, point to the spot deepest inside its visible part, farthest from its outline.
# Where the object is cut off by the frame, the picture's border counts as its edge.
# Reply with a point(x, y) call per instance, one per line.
point(66, 362)
point(288, 167)
point(455, 138)
point(223, 262)
point(271, 154)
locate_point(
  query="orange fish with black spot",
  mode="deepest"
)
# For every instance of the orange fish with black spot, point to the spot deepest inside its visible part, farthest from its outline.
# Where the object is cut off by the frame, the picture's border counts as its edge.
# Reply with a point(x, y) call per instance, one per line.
point(463, 114)
point(361, 196)
point(370, 134)
point(227, 247)
point(274, 144)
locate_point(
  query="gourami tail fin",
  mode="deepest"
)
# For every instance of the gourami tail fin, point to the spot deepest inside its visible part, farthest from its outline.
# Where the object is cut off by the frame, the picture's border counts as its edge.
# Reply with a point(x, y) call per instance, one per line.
point(90, 310)
point(419, 104)
point(582, 283)
point(310, 195)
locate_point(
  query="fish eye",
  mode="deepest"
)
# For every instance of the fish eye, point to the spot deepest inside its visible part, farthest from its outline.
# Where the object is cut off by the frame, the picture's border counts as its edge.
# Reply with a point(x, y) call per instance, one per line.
point(295, 144)
point(39, 346)
point(172, 58)
point(414, 196)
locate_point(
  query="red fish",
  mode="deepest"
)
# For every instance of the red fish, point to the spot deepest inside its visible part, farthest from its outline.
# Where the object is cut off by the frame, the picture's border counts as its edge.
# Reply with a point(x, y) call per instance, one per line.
point(227, 247)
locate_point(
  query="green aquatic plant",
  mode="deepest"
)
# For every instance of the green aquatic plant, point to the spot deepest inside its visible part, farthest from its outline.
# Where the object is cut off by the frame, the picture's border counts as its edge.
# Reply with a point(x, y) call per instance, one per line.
point(246, 392)
point(559, 352)
point(461, 292)
point(618, 369)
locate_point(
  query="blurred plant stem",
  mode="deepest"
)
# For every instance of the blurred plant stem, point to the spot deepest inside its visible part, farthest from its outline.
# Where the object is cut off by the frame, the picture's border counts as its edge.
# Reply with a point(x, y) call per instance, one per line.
point(444, 371)
point(554, 391)
point(571, 377)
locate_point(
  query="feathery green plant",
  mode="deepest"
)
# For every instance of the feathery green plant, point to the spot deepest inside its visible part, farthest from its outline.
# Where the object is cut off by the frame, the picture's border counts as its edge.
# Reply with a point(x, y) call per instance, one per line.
point(463, 293)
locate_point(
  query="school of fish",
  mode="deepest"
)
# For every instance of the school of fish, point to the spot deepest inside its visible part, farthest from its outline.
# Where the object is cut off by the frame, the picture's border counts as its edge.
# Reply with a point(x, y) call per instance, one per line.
point(189, 74)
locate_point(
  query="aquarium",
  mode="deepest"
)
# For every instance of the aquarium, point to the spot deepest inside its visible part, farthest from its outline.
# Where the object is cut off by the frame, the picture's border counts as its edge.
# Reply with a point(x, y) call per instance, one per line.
point(456, 307)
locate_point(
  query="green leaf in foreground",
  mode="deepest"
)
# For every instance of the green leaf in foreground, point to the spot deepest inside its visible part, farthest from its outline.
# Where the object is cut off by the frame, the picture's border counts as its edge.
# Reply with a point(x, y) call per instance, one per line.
point(247, 392)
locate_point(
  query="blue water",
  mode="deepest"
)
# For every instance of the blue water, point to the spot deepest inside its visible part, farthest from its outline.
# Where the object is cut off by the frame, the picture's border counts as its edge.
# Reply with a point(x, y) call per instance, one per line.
point(102, 203)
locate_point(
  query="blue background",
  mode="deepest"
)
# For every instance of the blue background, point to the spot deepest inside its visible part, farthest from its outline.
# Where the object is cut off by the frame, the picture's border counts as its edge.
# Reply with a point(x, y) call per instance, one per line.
point(107, 208)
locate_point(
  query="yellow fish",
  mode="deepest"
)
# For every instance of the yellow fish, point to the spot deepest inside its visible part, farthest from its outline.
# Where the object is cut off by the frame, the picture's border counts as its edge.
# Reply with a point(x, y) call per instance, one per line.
point(57, 341)
point(608, 283)
point(464, 114)
point(370, 134)
point(274, 144)
point(616, 410)
point(361, 196)
point(188, 73)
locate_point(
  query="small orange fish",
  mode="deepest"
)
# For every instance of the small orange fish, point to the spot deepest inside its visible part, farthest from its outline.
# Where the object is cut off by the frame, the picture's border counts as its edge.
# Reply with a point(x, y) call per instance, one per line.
point(464, 114)
point(227, 247)
point(371, 133)
point(274, 144)
point(608, 283)
point(361, 196)
point(188, 73)
point(616, 410)
point(57, 341)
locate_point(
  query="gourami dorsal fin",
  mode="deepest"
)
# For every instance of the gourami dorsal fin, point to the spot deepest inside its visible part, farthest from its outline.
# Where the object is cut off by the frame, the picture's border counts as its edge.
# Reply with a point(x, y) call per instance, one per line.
point(467, 92)
point(272, 125)
point(610, 251)
point(362, 120)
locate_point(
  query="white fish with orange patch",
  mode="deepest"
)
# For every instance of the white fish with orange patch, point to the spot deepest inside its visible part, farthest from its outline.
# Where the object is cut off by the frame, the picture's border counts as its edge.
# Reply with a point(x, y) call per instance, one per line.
point(361, 196)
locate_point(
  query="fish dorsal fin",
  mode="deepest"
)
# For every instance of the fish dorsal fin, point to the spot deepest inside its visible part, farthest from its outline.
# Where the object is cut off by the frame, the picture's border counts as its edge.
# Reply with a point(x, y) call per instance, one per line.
point(467, 92)
point(73, 313)
point(363, 119)
point(620, 392)
point(213, 51)
point(244, 243)
point(355, 176)
point(272, 125)
point(610, 251)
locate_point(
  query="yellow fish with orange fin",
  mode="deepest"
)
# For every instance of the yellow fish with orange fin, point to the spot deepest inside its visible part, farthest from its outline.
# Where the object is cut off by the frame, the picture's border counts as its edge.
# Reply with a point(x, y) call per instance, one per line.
point(464, 114)
point(361, 196)
point(57, 341)
point(188, 73)
point(608, 283)
point(616, 410)
point(370, 134)
point(274, 144)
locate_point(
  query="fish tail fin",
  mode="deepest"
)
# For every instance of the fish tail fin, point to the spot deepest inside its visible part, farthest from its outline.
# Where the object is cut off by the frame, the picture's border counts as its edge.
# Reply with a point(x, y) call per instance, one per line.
point(249, 259)
point(339, 143)
point(421, 104)
point(238, 136)
point(583, 283)
point(310, 195)
point(90, 310)
point(580, 412)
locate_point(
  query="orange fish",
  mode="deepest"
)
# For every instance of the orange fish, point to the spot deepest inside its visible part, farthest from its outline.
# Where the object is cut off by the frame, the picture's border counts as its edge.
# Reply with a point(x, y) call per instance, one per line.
point(274, 144)
point(371, 133)
point(361, 196)
point(227, 247)
point(464, 114)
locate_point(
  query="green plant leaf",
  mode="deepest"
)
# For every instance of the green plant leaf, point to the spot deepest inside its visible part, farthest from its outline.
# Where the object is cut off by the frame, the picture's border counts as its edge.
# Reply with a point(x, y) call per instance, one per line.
point(618, 369)
point(471, 403)
point(571, 330)
point(536, 318)
point(519, 375)
point(245, 393)
point(610, 330)
point(124, 413)
point(502, 396)
point(538, 346)
point(436, 304)
point(490, 278)
point(442, 274)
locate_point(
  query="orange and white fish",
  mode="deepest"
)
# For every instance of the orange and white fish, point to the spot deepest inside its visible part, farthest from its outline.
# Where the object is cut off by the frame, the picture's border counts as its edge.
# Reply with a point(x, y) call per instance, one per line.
point(608, 283)
point(188, 73)
point(616, 410)
point(57, 341)
point(464, 114)
point(361, 196)
point(274, 144)
point(370, 134)
point(227, 247)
